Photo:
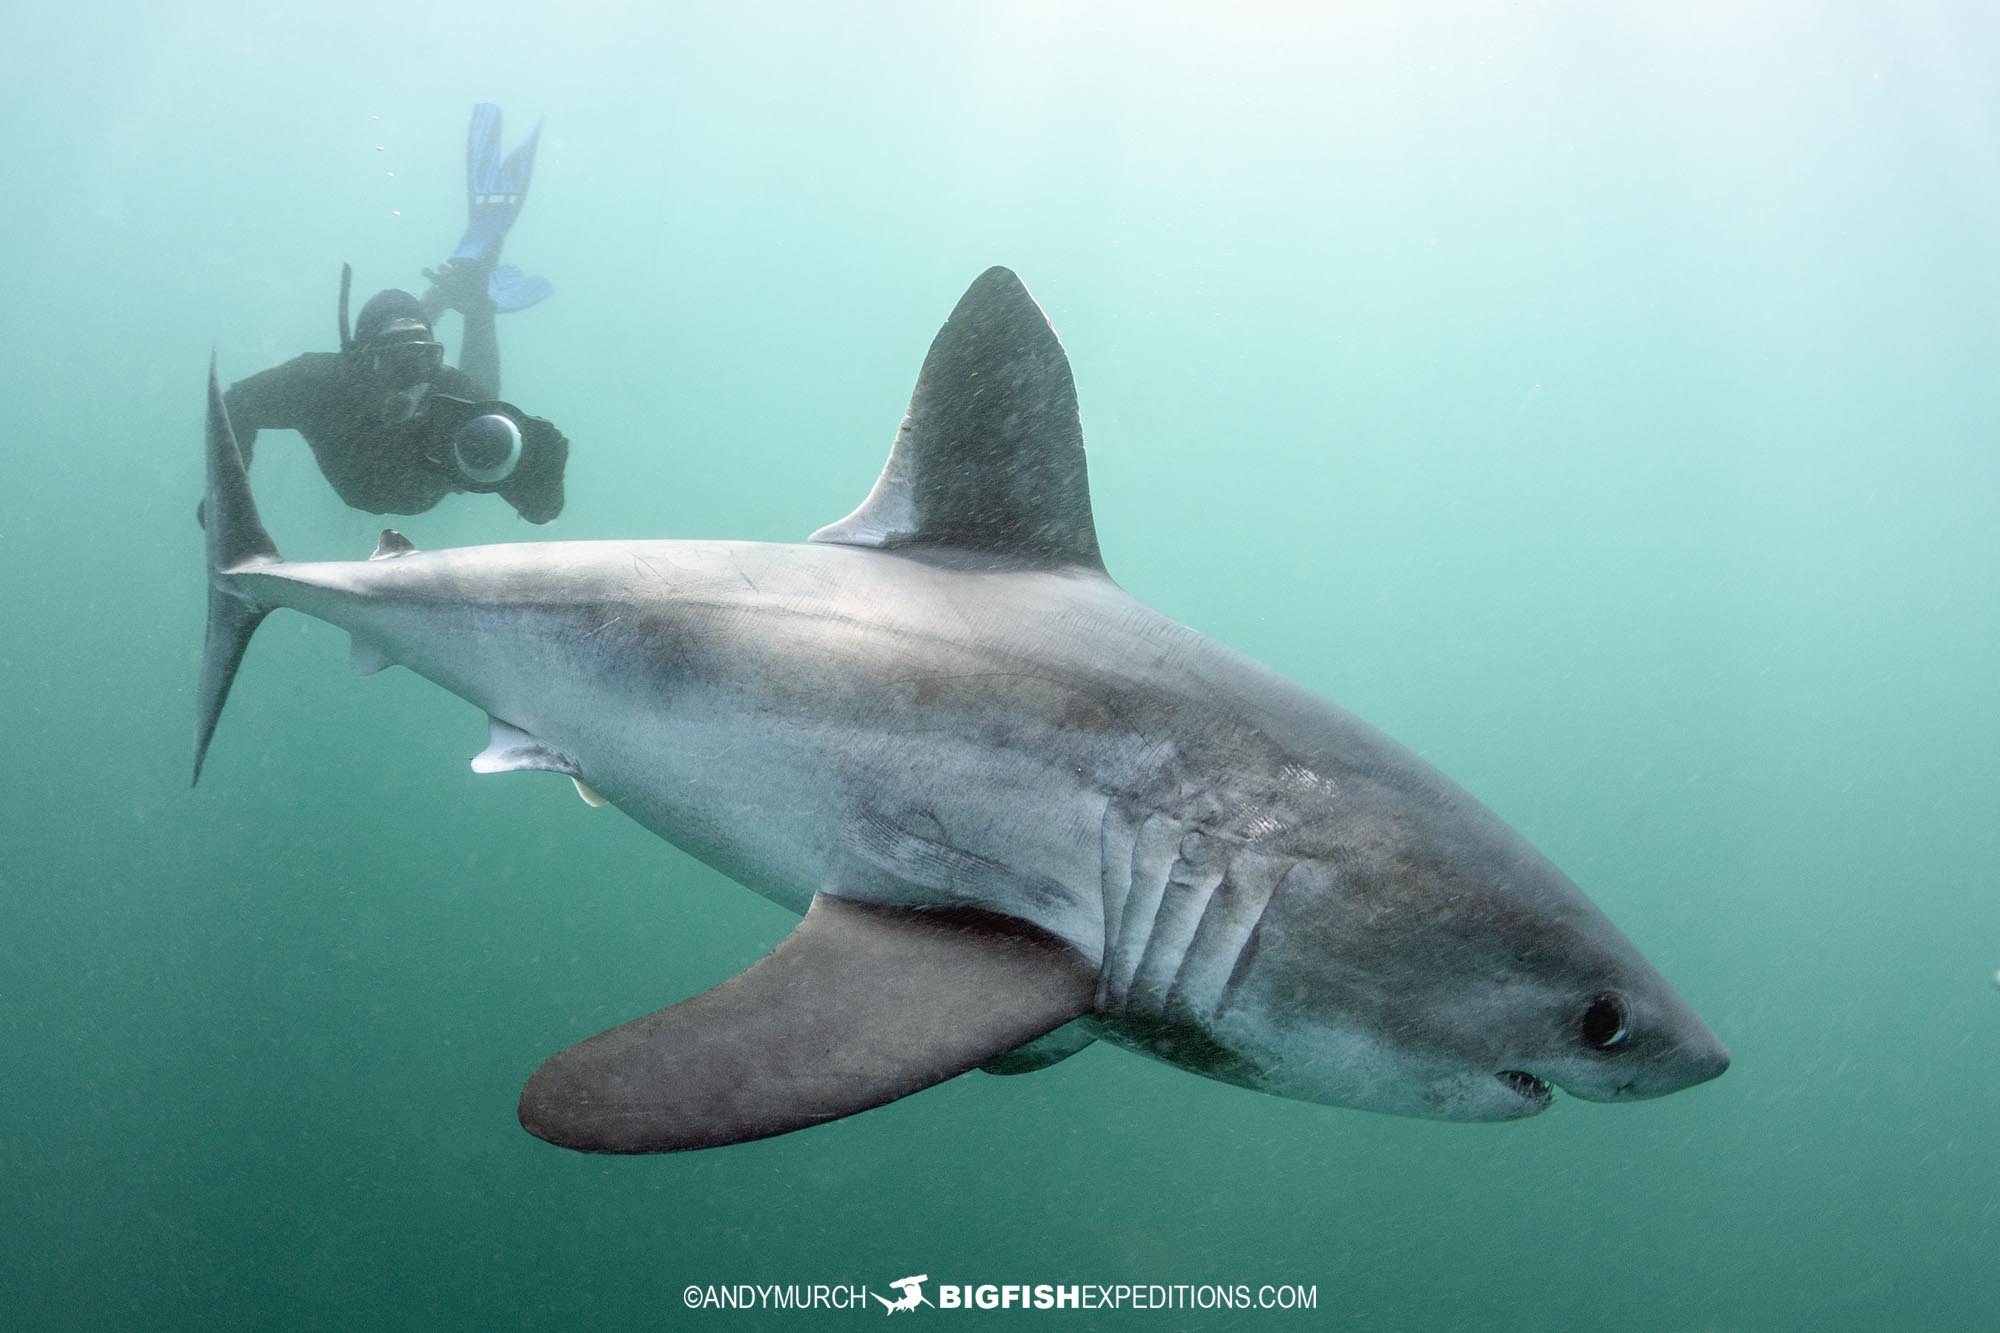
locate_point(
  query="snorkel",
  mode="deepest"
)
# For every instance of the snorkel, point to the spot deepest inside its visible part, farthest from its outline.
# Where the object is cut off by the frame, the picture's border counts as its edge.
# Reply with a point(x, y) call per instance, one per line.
point(346, 286)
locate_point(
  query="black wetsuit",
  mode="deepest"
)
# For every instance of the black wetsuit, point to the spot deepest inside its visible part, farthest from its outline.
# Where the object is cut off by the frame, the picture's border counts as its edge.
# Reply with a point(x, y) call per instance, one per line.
point(382, 452)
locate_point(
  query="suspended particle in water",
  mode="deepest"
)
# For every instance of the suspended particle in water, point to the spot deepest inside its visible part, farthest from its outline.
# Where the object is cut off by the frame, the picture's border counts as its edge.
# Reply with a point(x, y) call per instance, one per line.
point(1996, 980)
point(378, 148)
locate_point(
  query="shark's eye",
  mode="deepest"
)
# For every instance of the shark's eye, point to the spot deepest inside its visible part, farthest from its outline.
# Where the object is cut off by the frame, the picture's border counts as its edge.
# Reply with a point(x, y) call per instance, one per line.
point(1607, 1021)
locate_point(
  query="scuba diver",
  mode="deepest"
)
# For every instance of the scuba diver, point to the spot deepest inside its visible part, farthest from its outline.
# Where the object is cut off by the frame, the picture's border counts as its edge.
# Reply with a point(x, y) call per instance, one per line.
point(393, 428)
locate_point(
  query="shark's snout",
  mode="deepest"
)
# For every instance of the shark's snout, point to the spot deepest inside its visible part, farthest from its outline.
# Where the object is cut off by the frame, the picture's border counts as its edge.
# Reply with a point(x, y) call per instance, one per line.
point(1686, 1061)
point(1701, 1060)
point(1698, 1058)
point(1676, 1051)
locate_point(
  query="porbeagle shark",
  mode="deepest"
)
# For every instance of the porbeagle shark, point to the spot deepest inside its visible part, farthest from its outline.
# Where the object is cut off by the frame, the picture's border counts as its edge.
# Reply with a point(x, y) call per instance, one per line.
point(1018, 809)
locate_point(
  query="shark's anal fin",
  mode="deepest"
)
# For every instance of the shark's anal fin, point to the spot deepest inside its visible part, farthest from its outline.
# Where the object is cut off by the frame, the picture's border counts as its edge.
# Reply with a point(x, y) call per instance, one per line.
point(512, 750)
point(859, 1006)
point(990, 454)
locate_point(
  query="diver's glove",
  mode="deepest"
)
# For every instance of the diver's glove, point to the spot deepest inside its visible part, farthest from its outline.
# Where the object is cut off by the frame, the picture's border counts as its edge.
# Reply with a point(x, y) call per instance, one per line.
point(461, 285)
point(536, 491)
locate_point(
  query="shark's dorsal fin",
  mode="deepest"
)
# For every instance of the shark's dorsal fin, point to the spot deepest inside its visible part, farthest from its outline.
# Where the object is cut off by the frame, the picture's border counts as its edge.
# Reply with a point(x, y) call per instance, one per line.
point(990, 454)
point(392, 544)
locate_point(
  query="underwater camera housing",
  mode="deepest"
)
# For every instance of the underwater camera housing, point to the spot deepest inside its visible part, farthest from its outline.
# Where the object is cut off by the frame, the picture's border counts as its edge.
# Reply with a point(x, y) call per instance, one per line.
point(487, 449)
point(486, 444)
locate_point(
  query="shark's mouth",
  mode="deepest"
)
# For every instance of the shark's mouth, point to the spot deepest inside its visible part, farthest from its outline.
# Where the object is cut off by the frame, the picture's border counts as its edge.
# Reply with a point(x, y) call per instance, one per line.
point(1527, 1087)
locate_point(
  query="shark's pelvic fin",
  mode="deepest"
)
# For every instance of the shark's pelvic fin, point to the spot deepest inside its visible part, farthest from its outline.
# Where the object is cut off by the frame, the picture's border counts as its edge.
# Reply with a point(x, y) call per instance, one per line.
point(512, 750)
point(392, 544)
point(990, 454)
point(859, 1006)
point(236, 541)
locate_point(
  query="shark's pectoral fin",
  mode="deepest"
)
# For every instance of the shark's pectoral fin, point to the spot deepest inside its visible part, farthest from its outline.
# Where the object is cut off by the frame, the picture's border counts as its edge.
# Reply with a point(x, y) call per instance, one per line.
point(859, 1006)
point(1042, 1052)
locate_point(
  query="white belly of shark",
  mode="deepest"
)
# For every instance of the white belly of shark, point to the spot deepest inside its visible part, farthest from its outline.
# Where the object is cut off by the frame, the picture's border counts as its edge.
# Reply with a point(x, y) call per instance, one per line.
point(1017, 808)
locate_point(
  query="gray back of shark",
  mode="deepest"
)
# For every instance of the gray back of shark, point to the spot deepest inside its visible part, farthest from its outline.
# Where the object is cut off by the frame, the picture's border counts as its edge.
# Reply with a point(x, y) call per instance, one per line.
point(1018, 809)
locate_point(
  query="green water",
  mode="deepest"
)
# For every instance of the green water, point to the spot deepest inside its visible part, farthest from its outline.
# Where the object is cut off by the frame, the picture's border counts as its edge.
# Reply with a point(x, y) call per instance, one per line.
point(1597, 397)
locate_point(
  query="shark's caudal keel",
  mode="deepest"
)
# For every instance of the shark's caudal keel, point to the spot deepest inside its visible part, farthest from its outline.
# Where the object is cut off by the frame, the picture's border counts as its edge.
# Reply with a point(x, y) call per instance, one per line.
point(1018, 809)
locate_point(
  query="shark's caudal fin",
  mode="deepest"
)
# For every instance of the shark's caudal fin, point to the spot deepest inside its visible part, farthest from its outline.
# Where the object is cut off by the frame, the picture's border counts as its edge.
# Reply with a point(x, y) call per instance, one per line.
point(859, 1006)
point(990, 454)
point(236, 539)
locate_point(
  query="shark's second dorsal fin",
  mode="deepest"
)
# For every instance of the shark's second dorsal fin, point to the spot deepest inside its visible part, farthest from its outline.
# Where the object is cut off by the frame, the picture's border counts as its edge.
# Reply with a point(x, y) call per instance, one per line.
point(393, 544)
point(990, 455)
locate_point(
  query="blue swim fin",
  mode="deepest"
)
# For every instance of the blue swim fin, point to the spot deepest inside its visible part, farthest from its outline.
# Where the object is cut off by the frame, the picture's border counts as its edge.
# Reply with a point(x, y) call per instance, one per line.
point(495, 187)
point(512, 289)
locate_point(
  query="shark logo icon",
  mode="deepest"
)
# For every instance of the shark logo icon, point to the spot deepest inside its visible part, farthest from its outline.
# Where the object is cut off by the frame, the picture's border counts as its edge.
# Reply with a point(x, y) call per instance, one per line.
point(913, 1294)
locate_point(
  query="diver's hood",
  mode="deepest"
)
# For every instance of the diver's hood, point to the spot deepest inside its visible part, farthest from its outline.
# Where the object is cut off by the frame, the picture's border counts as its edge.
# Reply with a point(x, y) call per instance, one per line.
point(392, 315)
